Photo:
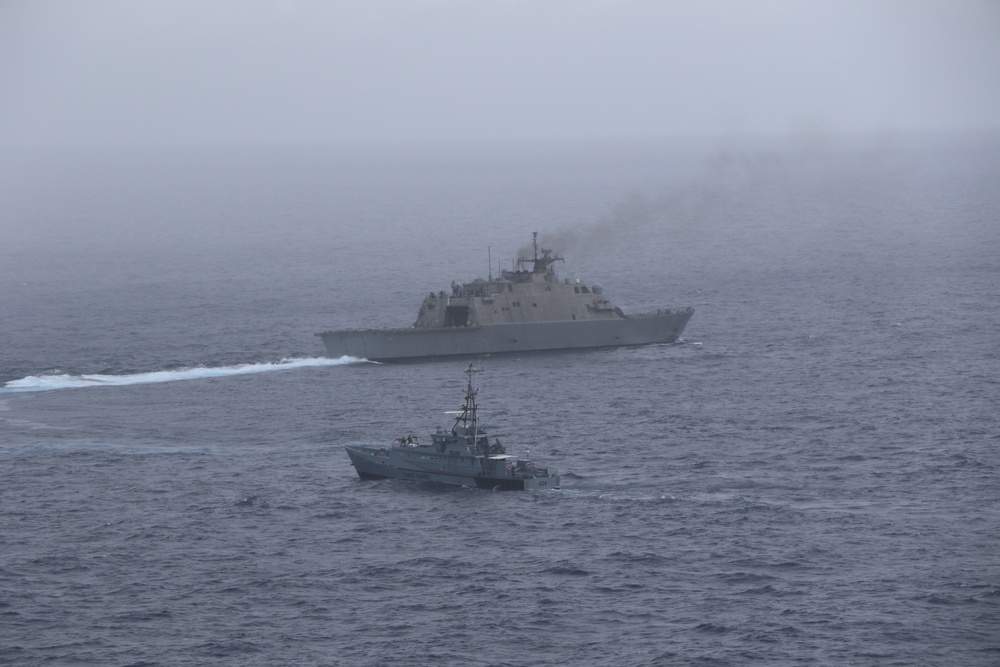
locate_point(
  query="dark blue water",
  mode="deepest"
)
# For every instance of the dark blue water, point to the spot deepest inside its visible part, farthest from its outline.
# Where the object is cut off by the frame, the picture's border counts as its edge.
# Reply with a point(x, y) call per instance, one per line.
point(811, 476)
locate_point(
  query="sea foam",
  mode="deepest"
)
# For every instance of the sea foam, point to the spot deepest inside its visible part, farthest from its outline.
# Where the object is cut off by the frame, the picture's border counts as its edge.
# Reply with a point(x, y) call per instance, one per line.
point(36, 383)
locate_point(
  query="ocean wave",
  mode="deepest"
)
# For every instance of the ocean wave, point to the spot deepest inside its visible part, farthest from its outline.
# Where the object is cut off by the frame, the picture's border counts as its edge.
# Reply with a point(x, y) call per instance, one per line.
point(37, 383)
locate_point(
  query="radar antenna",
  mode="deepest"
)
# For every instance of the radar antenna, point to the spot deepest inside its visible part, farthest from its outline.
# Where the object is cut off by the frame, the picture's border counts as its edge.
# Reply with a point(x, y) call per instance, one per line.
point(540, 264)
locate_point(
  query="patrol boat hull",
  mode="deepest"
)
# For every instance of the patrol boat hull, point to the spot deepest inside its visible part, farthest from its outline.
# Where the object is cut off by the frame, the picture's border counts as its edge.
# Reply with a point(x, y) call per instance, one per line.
point(462, 456)
point(373, 463)
point(413, 343)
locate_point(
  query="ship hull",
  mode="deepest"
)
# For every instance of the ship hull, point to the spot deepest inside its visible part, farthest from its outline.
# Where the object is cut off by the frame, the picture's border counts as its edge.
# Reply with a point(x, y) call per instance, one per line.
point(417, 464)
point(420, 343)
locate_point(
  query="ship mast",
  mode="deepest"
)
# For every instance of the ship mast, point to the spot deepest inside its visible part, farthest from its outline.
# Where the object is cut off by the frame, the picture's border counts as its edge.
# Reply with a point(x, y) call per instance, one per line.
point(468, 414)
point(539, 264)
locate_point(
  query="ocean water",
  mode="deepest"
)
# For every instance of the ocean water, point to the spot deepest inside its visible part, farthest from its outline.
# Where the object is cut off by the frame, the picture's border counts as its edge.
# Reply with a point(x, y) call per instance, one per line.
point(810, 476)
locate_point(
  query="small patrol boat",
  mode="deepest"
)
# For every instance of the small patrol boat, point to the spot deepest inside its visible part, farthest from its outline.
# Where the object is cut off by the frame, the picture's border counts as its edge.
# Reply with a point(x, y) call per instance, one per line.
point(462, 456)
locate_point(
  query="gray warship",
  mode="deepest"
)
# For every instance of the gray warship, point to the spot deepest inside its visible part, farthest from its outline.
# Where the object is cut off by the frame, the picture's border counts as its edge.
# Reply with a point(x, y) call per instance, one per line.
point(525, 309)
point(461, 456)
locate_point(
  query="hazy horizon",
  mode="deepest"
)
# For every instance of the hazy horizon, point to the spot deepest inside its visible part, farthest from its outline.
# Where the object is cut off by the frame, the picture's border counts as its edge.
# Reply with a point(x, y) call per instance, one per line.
point(111, 73)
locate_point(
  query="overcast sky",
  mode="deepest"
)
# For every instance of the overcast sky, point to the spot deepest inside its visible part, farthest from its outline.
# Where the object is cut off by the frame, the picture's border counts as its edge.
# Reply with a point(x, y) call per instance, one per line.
point(315, 71)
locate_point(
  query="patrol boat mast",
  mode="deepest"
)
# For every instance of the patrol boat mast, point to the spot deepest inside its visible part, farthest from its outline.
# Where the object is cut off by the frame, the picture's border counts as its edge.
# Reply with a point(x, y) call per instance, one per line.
point(470, 421)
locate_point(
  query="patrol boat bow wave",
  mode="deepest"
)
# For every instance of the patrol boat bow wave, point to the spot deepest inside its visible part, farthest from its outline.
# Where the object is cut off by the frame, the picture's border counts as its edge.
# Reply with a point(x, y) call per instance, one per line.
point(462, 456)
point(527, 309)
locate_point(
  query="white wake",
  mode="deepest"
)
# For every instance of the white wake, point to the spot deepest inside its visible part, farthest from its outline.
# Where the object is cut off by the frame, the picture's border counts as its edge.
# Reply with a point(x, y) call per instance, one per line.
point(63, 381)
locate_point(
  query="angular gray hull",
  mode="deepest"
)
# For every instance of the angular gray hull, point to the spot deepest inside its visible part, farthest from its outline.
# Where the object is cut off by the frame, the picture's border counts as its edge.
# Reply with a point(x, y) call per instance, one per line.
point(420, 343)
point(394, 463)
